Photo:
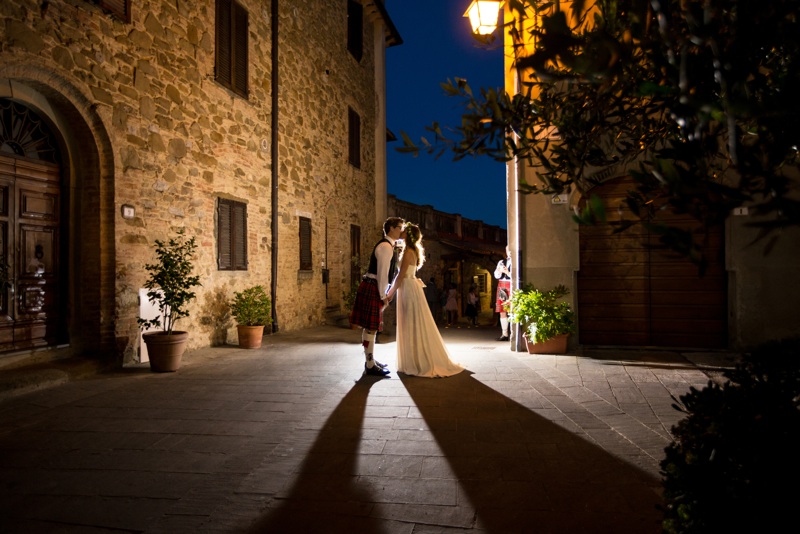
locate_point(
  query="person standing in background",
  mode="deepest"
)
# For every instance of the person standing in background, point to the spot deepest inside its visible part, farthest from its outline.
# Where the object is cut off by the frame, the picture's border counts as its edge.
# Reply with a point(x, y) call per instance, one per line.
point(503, 275)
point(451, 305)
point(472, 306)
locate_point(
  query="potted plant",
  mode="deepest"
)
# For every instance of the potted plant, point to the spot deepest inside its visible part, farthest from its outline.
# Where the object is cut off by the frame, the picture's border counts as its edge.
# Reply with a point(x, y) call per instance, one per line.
point(170, 289)
point(252, 309)
point(349, 300)
point(546, 321)
point(349, 297)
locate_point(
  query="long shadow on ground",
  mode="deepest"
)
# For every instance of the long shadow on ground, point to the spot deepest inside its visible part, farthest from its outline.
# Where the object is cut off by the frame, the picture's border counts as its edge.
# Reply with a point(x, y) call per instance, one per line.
point(464, 456)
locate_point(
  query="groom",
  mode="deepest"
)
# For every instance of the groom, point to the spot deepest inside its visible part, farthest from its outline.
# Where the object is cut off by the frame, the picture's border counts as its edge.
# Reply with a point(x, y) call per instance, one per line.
point(371, 295)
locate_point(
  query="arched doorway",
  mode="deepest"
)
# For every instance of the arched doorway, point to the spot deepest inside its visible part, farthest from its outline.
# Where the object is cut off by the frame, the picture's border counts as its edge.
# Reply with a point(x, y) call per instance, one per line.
point(632, 291)
point(32, 270)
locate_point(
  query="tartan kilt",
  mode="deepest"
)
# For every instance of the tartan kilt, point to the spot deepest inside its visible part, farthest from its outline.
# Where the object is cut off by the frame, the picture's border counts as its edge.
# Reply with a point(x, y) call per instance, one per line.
point(506, 285)
point(368, 307)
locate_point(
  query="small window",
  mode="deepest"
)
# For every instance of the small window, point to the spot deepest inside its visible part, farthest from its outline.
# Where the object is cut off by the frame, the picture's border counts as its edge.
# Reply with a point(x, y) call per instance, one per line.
point(305, 244)
point(354, 138)
point(355, 29)
point(231, 46)
point(231, 235)
point(480, 281)
point(121, 9)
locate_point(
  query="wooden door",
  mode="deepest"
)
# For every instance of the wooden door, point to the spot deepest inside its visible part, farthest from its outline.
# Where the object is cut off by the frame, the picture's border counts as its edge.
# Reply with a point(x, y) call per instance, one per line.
point(29, 230)
point(633, 291)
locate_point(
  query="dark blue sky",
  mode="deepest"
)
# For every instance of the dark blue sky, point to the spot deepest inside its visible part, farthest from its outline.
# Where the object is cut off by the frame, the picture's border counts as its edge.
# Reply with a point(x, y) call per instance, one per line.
point(437, 45)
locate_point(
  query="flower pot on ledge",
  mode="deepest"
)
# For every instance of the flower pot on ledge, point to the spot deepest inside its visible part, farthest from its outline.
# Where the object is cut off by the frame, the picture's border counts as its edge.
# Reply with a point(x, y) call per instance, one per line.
point(554, 345)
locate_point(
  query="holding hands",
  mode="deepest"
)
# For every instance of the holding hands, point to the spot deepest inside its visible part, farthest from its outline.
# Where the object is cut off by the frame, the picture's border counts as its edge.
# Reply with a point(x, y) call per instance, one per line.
point(390, 294)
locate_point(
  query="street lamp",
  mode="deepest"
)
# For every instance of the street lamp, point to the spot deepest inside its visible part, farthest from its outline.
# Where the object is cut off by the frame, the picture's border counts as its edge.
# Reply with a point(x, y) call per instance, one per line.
point(483, 16)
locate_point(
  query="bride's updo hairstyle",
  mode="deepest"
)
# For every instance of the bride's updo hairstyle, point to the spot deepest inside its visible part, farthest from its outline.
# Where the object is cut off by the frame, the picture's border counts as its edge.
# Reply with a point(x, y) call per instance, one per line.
point(414, 240)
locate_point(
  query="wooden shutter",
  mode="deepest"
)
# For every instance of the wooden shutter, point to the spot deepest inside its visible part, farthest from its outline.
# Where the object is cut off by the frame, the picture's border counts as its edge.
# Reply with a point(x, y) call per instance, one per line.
point(239, 45)
point(223, 43)
point(231, 235)
point(305, 244)
point(119, 8)
point(239, 236)
point(355, 29)
point(224, 251)
point(232, 56)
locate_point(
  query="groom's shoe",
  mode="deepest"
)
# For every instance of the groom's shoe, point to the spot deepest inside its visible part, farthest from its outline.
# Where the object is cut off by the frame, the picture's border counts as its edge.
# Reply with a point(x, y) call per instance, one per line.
point(375, 370)
point(379, 364)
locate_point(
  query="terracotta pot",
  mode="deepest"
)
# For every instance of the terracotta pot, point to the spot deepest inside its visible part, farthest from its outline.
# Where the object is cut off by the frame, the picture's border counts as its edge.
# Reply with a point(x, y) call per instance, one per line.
point(250, 336)
point(165, 350)
point(554, 345)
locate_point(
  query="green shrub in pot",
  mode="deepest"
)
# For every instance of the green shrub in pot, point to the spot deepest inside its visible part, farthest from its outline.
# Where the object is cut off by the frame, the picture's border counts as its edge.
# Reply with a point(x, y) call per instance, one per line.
point(252, 307)
point(542, 314)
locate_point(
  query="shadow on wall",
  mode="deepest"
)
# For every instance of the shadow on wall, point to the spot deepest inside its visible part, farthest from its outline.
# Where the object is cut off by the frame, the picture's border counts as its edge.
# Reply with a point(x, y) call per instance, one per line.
point(215, 316)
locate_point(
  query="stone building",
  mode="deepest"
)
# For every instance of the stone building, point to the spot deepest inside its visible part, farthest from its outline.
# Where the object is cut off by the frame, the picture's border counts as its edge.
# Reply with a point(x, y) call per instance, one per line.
point(629, 292)
point(256, 126)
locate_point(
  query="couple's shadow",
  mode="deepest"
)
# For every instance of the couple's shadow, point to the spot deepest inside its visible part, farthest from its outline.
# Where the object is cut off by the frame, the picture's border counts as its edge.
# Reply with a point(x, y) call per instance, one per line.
point(456, 453)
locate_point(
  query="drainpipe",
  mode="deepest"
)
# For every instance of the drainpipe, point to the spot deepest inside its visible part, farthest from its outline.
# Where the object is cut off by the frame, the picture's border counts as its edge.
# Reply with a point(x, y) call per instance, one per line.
point(274, 159)
point(518, 265)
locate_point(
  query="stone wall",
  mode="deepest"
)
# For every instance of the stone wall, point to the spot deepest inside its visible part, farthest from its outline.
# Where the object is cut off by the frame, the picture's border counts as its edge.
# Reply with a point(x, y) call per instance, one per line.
point(178, 141)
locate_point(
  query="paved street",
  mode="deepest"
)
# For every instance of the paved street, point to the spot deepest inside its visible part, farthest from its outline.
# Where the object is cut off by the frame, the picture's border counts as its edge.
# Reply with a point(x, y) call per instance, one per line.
point(291, 438)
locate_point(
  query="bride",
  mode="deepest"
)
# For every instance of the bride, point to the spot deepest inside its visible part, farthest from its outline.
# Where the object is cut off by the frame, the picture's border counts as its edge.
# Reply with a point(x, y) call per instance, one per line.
point(420, 348)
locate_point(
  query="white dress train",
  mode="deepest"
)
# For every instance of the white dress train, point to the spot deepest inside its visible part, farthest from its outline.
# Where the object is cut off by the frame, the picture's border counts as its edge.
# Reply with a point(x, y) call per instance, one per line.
point(420, 348)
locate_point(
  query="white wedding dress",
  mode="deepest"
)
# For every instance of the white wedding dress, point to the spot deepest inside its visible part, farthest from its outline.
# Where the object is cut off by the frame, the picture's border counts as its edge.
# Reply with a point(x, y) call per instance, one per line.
point(420, 348)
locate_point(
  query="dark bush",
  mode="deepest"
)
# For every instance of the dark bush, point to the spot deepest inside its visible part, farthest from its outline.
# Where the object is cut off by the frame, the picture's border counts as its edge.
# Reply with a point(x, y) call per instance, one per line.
point(734, 465)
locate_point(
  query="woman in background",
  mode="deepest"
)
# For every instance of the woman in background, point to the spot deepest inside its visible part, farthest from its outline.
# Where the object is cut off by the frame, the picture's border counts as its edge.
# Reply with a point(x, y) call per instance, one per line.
point(472, 306)
point(451, 306)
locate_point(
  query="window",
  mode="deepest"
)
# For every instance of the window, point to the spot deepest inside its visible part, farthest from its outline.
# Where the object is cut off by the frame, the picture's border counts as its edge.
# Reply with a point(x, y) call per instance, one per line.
point(354, 137)
point(231, 235)
point(305, 244)
point(480, 281)
point(119, 8)
point(231, 46)
point(355, 29)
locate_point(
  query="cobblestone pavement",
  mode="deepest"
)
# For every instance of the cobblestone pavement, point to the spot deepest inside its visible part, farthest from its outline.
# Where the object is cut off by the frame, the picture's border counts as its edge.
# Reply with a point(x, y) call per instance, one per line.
point(292, 438)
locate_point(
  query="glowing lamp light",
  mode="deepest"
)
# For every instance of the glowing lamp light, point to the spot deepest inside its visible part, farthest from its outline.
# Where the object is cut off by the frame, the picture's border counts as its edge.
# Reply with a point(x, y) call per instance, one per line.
point(483, 16)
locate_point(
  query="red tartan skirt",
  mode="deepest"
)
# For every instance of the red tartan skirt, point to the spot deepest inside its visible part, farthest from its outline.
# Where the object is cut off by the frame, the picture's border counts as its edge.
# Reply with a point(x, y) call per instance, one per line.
point(368, 308)
point(506, 286)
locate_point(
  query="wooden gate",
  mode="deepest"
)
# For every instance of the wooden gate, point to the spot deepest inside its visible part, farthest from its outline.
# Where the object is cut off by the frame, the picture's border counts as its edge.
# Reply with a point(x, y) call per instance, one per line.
point(633, 291)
